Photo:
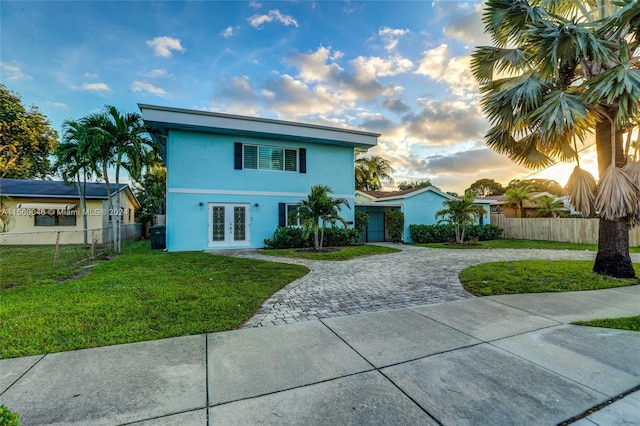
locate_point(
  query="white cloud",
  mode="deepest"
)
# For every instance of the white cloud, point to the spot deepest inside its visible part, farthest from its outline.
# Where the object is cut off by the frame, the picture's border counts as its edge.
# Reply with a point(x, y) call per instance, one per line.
point(228, 32)
point(155, 73)
point(96, 87)
point(91, 75)
point(384, 67)
point(391, 37)
point(274, 15)
point(143, 86)
point(57, 104)
point(467, 27)
point(459, 77)
point(433, 62)
point(12, 72)
point(163, 46)
point(254, 4)
point(313, 67)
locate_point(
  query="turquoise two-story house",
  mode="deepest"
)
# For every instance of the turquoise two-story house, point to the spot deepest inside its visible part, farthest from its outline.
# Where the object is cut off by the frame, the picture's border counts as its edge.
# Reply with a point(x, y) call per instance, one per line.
point(231, 180)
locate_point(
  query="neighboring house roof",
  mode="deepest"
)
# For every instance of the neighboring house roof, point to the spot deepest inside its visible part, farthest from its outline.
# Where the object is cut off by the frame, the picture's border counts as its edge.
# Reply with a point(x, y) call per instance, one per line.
point(397, 195)
point(17, 188)
point(164, 119)
point(500, 199)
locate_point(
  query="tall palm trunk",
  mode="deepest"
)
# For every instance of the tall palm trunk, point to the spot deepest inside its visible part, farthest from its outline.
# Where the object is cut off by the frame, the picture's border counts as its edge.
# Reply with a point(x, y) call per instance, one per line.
point(110, 212)
point(613, 237)
point(117, 216)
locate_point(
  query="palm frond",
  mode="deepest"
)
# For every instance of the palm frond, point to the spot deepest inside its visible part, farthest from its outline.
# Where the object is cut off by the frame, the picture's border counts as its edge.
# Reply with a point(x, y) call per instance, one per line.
point(581, 191)
point(618, 196)
point(488, 59)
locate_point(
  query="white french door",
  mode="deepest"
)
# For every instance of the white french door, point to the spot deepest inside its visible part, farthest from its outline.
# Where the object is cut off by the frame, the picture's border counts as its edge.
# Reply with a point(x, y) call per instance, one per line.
point(229, 225)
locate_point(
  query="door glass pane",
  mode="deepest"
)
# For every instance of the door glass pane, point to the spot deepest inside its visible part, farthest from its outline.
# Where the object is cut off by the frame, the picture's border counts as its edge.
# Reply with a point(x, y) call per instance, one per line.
point(217, 223)
point(239, 223)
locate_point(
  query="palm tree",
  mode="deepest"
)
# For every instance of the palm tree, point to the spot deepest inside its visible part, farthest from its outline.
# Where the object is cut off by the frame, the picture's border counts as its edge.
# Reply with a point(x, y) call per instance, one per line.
point(557, 71)
point(119, 140)
point(75, 164)
point(371, 171)
point(460, 212)
point(549, 207)
point(515, 197)
point(318, 210)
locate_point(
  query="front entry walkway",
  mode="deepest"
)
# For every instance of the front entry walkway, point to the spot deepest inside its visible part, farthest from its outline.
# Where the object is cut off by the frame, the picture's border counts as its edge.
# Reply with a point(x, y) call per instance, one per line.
point(414, 277)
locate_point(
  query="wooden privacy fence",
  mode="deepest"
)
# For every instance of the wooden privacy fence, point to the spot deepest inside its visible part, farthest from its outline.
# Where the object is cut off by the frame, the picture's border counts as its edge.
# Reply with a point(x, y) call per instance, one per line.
point(574, 230)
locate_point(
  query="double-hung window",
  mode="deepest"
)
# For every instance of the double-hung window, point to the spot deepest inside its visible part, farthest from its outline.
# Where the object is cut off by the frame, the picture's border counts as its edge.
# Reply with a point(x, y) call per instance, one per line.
point(273, 158)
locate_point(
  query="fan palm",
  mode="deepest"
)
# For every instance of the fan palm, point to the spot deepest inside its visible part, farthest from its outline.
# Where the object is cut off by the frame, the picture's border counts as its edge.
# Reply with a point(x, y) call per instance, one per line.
point(318, 210)
point(515, 197)
point(556, 72)
point(549, 207)
point(460, 212)
point(371, 171)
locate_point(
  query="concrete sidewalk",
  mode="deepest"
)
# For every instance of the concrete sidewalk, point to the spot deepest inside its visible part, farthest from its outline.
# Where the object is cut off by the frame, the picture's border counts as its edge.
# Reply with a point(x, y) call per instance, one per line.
point(497, 360)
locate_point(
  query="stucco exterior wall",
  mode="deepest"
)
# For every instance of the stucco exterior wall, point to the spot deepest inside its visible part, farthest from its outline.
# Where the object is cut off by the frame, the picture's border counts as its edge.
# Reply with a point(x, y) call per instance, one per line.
point(201, 171)
point(23, 230)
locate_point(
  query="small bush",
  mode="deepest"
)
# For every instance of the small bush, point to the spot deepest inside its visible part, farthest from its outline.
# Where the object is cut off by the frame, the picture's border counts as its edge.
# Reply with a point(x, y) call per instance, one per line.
point(291, 237)
point(425, 234)
point(362, 220)
point(7, 418)
point(395, 225)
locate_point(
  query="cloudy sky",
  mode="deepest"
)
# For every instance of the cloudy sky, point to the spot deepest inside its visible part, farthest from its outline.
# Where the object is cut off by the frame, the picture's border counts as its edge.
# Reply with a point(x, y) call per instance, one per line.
point(397, 68)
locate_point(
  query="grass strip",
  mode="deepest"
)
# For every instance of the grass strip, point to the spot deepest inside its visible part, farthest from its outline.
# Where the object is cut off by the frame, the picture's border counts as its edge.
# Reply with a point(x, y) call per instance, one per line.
point(536, 276)
point(511, 243)
point(626, 323)
point(343, 253)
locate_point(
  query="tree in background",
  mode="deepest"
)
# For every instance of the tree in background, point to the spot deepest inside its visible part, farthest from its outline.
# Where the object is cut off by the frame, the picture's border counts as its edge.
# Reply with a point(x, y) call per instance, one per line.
point(515, 197)
point(486, 187)
point(538, 185)
point(120, 140)
point(318, 210)
point(557, 71)
point(26, 139)
point(423, 183)
point(75, 164)
point(371, 171)
point(550, 207)
point(152, 191)
point(460, 212)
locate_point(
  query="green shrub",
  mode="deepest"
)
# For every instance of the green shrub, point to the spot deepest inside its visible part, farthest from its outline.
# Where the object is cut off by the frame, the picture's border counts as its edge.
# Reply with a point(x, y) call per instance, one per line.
point(425, 234)
point(395, 225)
point(7, 418)
point(362, 220)
point(291, 237)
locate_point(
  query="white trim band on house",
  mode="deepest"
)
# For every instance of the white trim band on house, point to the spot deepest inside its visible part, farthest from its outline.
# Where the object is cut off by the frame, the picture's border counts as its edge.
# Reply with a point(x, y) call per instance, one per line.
point(247, 193)
point(48, 206)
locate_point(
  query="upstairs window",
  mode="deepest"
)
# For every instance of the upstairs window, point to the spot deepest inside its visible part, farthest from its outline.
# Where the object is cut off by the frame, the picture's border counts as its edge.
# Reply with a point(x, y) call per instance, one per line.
point(258, 157)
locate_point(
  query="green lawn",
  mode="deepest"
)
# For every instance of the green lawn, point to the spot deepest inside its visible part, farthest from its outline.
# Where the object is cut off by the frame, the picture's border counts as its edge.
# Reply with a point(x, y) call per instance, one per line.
point(536, 276)
point(22, 265)
point(343, 253)
point(523, 244)
point(141, 295)
point(627, 323)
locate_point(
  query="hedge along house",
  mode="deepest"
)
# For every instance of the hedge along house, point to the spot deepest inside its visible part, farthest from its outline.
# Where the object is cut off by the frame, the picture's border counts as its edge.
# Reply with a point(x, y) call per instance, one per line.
point(232, 180)
point(419, 206)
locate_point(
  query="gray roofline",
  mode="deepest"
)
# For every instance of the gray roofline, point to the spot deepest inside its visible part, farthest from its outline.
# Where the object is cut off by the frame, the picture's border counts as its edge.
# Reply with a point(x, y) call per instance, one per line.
point(166, 118)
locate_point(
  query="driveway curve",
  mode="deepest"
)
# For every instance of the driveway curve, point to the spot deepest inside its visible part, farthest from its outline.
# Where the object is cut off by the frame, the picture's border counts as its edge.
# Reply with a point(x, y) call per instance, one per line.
point(413, 277)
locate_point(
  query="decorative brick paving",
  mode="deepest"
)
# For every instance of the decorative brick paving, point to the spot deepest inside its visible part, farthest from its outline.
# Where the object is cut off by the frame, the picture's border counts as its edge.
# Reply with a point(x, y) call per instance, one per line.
point(416, 276)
